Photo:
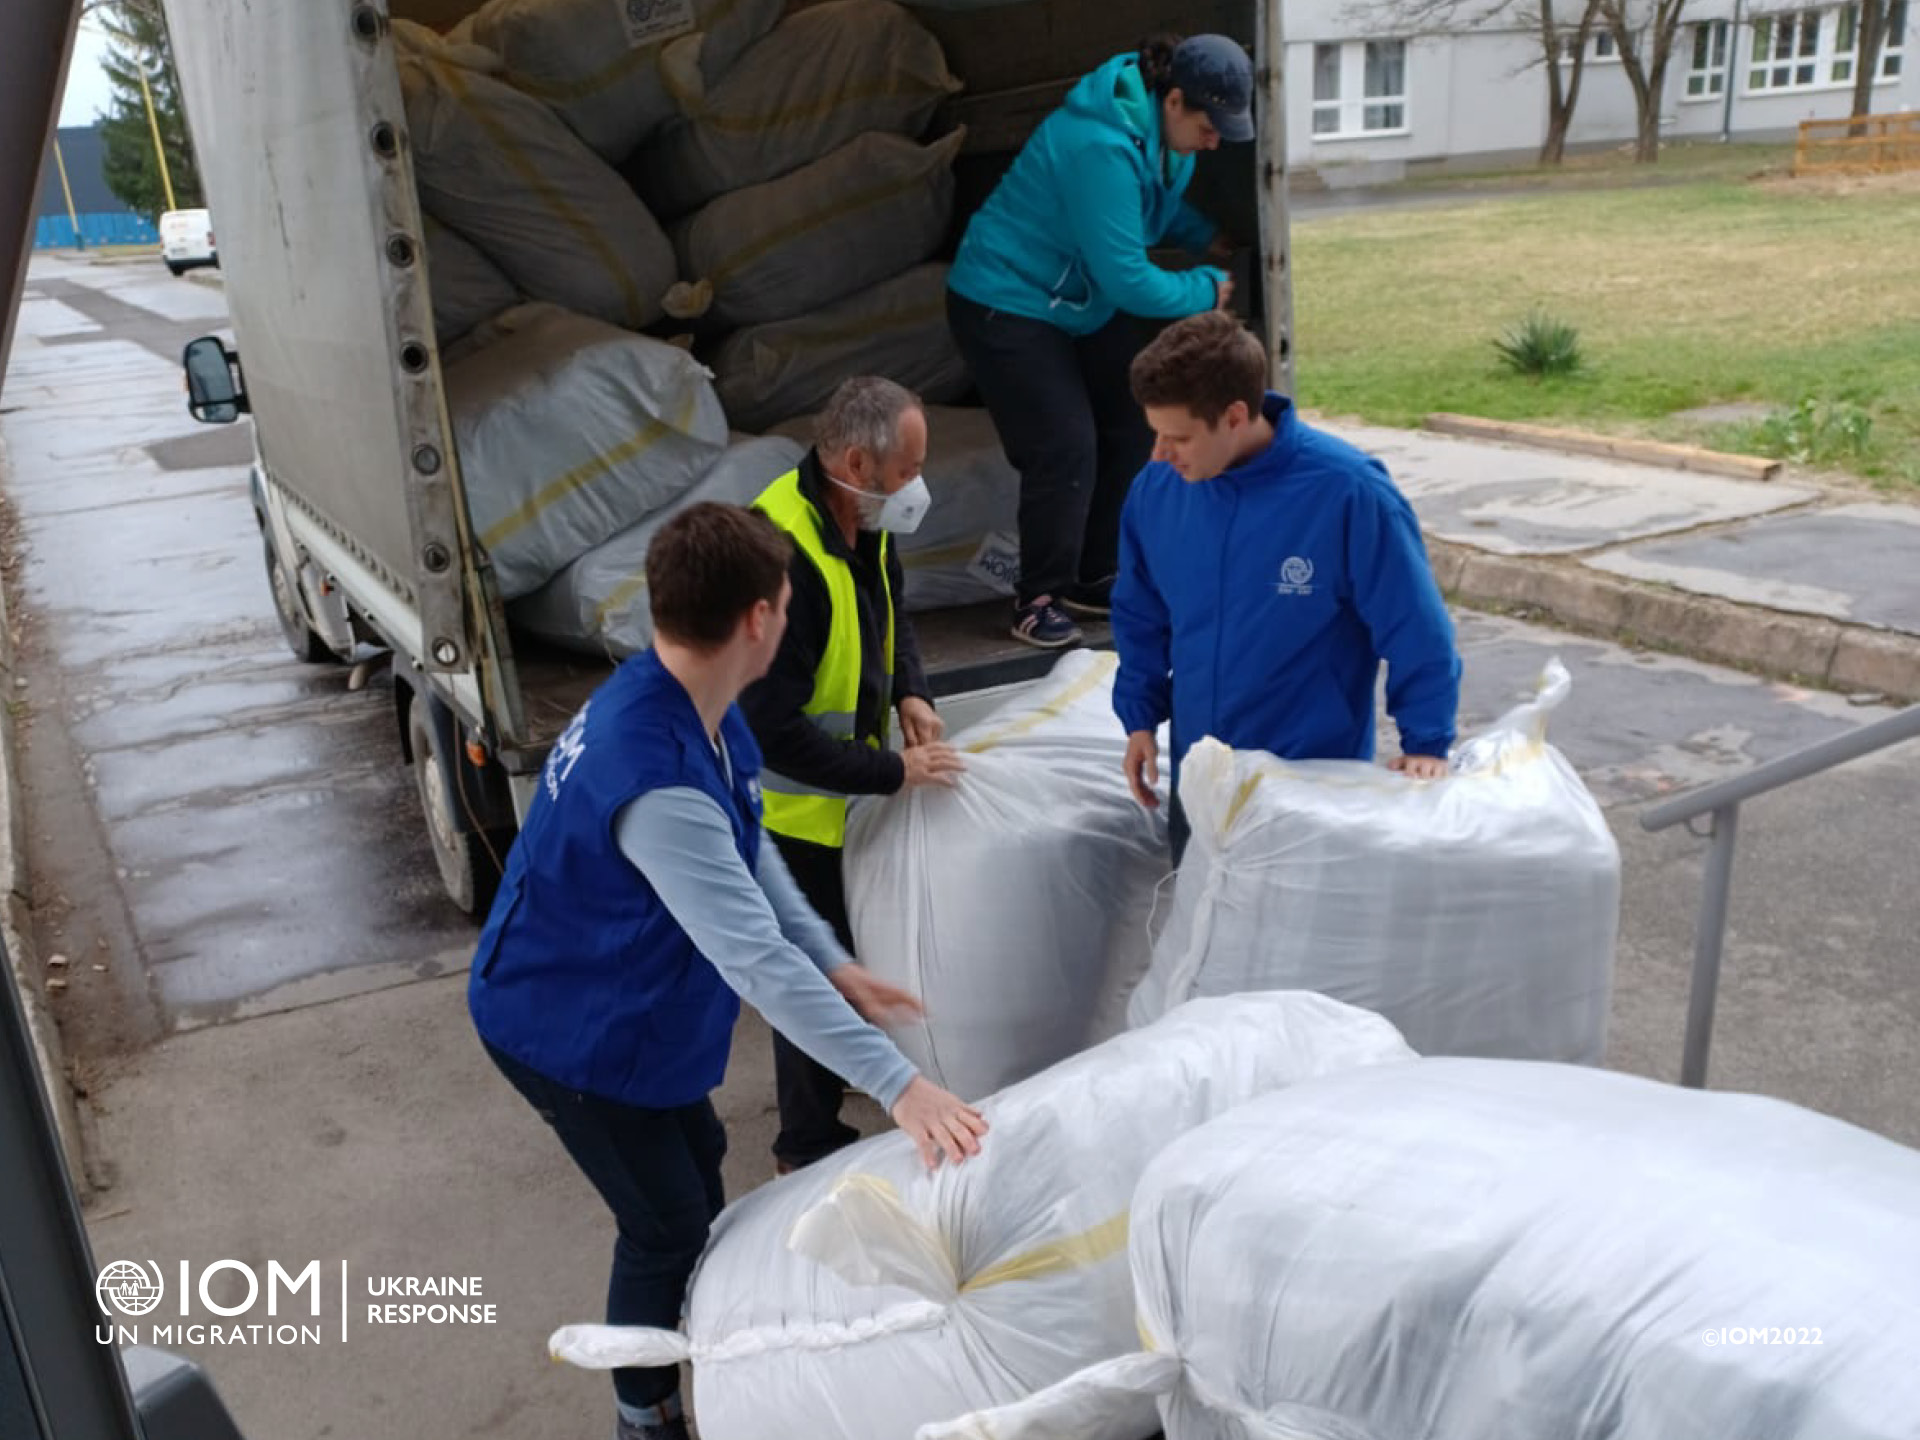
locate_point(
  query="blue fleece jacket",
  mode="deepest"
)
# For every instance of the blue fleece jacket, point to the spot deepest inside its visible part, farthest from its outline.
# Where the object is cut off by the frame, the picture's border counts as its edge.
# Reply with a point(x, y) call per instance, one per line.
point(1256, 607)
point(1064, 236)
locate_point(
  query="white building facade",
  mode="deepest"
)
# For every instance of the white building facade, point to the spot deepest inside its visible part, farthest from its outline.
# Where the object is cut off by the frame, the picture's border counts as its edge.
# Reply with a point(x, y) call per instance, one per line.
point(1367, 103)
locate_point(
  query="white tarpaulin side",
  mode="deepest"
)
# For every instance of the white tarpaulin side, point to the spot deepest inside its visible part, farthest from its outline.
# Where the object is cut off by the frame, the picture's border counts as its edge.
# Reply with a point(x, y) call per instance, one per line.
point(570, 431)
point(468, 289)
point(598, 63)
point(502, 170)
point(824, 75)
point(968, 547)
point(1460, 1249)
point(878, 205)
point(1014, 905)
point(770, 373)
point(863, 1296)
point(1477, 912)
point(599, 604)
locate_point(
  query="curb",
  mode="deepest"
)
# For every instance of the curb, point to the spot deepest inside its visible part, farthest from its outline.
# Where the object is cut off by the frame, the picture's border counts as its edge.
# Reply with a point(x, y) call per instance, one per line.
point(1807, 649)
point(1606, 447)
point(16, 928)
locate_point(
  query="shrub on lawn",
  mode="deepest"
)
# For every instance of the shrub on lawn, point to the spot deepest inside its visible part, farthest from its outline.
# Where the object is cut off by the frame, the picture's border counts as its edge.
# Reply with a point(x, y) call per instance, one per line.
point(1816, 432)
point(1539, 346)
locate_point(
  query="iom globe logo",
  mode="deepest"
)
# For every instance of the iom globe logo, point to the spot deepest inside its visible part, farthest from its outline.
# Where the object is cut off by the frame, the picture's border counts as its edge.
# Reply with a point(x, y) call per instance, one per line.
point(125, 1287)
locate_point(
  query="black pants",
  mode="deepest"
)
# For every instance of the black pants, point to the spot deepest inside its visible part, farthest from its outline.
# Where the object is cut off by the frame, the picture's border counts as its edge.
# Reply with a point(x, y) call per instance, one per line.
point(1064, 410)
point(659, 1172)
point(809, 1094)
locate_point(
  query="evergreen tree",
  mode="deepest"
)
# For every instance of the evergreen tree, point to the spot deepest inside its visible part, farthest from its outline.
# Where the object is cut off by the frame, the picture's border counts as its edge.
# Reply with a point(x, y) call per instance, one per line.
point(138, 32)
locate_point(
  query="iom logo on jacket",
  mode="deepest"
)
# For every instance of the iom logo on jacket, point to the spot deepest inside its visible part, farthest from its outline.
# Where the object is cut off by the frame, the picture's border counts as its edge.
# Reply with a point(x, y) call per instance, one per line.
point(1296, 576)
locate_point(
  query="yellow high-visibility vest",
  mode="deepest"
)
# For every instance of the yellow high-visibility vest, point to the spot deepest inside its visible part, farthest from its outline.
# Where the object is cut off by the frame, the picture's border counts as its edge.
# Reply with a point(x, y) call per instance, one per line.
point(798, 811)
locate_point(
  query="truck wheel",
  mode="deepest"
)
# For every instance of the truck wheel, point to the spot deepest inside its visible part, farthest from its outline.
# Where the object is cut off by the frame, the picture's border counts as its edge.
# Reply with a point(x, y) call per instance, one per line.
point(175, 268)
point(299, 635)
point(467, 869)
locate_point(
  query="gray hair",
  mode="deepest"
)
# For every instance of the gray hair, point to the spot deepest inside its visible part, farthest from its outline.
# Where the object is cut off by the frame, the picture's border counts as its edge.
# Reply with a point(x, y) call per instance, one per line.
point(865, 411)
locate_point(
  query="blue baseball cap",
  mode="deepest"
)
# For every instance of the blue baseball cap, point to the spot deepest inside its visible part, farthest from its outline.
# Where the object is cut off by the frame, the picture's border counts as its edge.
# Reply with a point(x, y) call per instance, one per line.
point(1214, 74)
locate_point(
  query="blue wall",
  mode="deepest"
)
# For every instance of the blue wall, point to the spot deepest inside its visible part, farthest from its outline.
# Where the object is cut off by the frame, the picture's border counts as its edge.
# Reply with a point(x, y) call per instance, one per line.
point(104, 220)
point(55, 232)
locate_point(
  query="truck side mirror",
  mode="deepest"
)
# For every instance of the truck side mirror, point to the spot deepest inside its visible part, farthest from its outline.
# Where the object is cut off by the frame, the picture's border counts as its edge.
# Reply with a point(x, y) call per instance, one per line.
point(215, 394)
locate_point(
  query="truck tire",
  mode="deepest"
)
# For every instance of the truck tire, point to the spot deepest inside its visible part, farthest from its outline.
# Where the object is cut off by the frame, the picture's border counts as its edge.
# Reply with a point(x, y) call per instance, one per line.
point(174, 267)
point(299, 635)
point(467, 865)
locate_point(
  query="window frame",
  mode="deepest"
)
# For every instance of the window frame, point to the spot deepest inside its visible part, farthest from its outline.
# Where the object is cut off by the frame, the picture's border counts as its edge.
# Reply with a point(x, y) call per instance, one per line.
point(1351, 105)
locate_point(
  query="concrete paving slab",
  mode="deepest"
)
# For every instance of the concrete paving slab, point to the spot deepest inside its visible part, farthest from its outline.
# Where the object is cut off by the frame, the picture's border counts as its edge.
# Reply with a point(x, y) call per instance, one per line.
point(1514, 501)
point(1859, 563)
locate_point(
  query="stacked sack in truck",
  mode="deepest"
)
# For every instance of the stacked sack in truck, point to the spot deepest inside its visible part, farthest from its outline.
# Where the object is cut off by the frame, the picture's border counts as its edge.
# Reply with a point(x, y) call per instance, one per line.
point(599, 603)
point(1013, 906)
point(500, 170)
point(968, 547)
point(571, 431)
point(864, 1296)
point(1477, 912)
point(1460, 1249)
point(804, 208)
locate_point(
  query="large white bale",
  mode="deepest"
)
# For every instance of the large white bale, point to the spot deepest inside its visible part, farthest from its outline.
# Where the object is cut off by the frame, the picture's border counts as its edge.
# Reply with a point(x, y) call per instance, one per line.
point(1477, 912)
point(824, 75)
point(968, 547)
point(602, 65)
point(863, 1296)
point(1014, 905)
point(468, 289)
point(770, 373)
point(878, 205)
point(569, 432)
point(502, 170)
point(1461, 1249)
point(599, 604)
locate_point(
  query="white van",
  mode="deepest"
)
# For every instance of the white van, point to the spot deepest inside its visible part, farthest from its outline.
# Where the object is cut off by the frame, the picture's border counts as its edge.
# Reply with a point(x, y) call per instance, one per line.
point(186, 240)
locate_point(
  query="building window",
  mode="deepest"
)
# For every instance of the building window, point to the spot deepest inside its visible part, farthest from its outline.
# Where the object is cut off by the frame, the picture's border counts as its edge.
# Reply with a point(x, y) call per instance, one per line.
point(1360, 88)
point(1785, 51)
point(1600, 46)
point(1708, 73)
point(1895, 44)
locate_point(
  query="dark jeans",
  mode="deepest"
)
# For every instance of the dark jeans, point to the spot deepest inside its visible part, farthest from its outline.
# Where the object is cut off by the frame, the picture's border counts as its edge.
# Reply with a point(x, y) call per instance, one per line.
point(659, 1172)
point(1064, 410)
point(808, 1092)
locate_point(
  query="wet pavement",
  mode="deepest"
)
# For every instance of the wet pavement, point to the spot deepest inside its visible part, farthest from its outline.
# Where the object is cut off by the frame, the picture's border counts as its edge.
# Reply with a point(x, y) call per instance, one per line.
point(224, 827)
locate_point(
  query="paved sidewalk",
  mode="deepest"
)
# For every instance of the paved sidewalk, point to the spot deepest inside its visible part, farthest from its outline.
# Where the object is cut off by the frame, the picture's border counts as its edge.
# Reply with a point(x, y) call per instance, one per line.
point(1783, 577)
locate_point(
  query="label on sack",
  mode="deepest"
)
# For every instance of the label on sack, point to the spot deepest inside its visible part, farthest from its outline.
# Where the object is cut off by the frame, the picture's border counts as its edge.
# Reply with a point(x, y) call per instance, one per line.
point(649, 20)
point(997, 561)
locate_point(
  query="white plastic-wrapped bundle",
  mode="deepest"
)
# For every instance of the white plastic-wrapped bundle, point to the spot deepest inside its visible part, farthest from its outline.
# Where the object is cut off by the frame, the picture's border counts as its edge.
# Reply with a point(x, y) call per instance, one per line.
point(864, 1296)
point(824, 75)
point(602, 64)
point(1014, 905)
point(770, 373)
point(968, 547)
point(873, 208)
point(468, 289)
point(1477, 912)
point(1460, 1249)
point(569, 432)
point(599, 603)
point(502, 170)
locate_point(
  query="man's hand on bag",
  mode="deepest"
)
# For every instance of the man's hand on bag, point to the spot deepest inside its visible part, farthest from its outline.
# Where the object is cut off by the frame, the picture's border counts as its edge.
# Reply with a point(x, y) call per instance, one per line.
point(1143, 767)
point(920, 724)
point(941, 1125)
point(877, 1002)
point(1420, 767)
point(932, 763)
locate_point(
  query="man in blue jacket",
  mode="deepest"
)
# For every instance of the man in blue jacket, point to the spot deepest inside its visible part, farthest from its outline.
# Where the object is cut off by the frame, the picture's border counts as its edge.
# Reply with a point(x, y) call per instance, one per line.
point(1266, 569)
point(639, 907)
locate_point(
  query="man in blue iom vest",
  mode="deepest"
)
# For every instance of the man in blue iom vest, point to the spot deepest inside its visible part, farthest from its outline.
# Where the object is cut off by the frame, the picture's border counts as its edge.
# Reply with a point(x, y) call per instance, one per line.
point(639, 908)
point(847, 662)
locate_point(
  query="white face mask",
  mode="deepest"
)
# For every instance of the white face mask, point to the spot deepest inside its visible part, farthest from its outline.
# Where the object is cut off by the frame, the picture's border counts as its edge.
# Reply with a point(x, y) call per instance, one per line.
point(899, 513)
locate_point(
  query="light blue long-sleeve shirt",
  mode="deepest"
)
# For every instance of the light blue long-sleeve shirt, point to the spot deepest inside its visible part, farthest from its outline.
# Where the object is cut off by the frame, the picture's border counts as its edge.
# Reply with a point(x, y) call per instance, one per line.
point(759, 932)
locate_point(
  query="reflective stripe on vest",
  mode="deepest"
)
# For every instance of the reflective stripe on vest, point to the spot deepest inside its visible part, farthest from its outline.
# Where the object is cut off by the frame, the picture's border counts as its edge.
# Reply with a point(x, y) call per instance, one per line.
point(798, 811)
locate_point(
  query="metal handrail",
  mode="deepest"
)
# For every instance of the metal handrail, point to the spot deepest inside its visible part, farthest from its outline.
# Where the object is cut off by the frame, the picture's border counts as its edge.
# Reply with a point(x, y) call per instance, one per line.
point(1722, 800)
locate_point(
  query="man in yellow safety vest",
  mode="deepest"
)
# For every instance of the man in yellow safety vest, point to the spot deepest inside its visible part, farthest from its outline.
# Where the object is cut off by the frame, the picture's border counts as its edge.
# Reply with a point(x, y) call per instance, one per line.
point(847, 660)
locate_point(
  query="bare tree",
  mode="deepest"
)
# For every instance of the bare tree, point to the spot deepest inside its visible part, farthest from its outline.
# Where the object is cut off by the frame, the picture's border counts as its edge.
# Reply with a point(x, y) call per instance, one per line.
point(1563, 91)
point(1644, 32)
point(1871, 38)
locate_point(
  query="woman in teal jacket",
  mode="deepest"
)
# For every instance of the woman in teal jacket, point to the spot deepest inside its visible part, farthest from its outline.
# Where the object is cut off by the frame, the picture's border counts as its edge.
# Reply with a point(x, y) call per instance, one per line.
point(1050, 274)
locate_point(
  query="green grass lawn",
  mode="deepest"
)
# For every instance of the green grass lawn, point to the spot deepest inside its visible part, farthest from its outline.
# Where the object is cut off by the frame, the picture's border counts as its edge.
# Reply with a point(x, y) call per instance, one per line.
point(1800, 297)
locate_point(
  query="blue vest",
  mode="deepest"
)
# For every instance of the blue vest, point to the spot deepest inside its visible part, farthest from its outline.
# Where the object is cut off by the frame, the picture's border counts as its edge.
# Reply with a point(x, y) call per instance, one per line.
point(581, 973)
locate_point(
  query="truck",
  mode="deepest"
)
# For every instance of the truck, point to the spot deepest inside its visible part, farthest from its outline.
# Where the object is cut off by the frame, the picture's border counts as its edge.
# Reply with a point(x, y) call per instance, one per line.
point(367, 539)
